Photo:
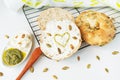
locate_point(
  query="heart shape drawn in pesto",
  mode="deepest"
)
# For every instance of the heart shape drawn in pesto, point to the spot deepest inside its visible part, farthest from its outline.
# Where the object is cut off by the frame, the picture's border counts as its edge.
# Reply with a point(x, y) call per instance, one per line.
point(62, 39)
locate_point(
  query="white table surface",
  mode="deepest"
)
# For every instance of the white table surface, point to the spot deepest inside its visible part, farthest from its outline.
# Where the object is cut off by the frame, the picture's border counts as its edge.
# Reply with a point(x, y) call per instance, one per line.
point(11, 23)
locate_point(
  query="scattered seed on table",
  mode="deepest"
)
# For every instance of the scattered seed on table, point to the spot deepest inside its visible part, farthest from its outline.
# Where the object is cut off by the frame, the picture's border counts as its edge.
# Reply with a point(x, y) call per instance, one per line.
point(45, 69)
point(1, 74)
point(115, 52)
point(106, 70)
point(88, 66)
point(97, 57)
point(6, 36)
point(32, 69)
point(55, 77)
point(78, 58)
point(65, 68)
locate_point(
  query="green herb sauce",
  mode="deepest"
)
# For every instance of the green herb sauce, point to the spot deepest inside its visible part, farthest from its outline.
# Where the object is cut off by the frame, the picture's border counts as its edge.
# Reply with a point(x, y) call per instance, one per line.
point(13, 56)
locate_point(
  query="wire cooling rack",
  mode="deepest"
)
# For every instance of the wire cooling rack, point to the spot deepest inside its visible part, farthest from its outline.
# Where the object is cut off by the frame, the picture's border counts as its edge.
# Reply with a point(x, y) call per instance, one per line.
point(31, 15)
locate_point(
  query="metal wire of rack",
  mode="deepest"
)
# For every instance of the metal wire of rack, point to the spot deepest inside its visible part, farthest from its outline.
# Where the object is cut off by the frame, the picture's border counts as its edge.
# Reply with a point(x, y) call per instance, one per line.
point(31, 15)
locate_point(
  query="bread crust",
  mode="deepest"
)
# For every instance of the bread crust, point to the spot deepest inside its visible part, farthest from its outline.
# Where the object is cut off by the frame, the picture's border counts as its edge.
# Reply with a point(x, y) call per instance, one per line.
point(96, 28)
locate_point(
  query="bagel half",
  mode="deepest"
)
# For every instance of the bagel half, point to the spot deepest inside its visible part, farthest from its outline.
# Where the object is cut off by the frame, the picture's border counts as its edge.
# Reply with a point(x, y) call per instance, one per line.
point(60, 37)
point(96, 28)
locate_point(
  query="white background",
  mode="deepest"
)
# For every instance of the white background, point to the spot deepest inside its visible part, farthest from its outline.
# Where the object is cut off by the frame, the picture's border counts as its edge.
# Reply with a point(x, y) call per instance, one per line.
point(11, 23)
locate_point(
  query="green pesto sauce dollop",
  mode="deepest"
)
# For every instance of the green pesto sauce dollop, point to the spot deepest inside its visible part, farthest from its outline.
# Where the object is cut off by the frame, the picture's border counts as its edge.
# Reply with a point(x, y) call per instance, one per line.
point(12, 56)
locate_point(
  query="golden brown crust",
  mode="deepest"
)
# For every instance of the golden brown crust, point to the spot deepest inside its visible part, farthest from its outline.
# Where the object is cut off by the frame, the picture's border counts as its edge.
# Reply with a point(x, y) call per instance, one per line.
point(96, 28)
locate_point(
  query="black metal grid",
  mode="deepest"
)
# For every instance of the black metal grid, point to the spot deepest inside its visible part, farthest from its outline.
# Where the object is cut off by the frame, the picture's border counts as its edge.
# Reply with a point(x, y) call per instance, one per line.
point(31, 15)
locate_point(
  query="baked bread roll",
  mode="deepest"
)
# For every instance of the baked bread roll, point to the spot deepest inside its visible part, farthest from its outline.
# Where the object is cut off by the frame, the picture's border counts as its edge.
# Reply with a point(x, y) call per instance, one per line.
point(96, 28)
point(60, 37)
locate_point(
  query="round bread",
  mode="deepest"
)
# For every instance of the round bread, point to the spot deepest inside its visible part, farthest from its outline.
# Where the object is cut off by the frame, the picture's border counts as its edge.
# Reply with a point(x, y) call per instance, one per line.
point(60, 39)
point(53, 14)
point(96, 28)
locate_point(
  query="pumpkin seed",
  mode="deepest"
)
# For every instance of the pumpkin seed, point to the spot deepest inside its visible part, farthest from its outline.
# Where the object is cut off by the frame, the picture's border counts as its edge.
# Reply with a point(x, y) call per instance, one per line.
point(45, 69)
point(70, 27)
point(113, 19)
point(16, 36)
point(48, 45)
point(97, 57)
point(49, 34)
point(65, 68)
point(74, 37)
point(59, 50)
point(115, 52)
point(6, 36)
point(23, 35)
point(29, 37)
point(78, 58)
point(71, 46)
point(106, 70)
point(59, 27)
point(55, 77)
point(88, 66)
point(43, 28)
point(1, 74)
point(19, 42)
point(32, 69)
